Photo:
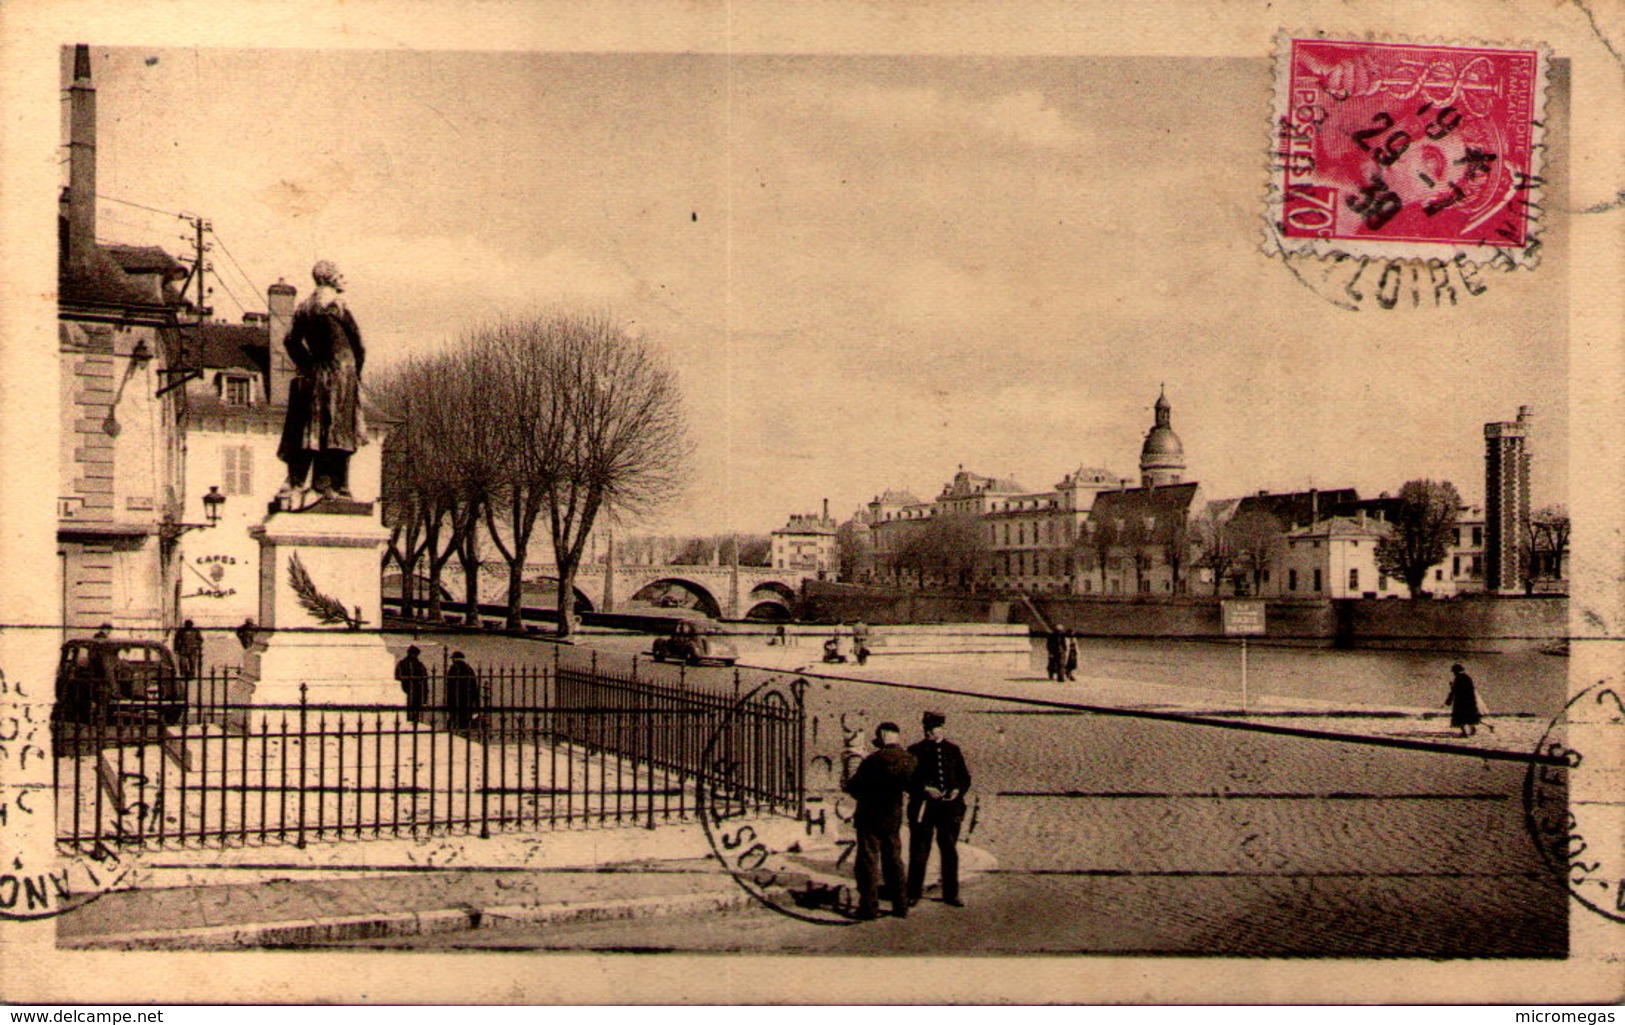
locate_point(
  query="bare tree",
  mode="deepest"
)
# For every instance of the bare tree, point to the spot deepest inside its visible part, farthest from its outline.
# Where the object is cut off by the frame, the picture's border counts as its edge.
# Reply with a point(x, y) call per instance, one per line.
point(1255, 538)
point(613, 422)
point(950, 548)
point(853, 551)
point(1424, 519)
point(1095, 542)
point(511, 355)
point(1215, 547)
point(1549, 538)
point(439, 473)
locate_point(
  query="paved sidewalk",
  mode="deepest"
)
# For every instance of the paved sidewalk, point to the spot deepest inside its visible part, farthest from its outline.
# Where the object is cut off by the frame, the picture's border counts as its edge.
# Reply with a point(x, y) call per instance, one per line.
point(302, 912)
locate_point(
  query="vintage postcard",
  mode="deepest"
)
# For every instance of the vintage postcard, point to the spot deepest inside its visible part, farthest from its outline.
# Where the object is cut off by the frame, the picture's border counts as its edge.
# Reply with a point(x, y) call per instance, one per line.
point(825, 504)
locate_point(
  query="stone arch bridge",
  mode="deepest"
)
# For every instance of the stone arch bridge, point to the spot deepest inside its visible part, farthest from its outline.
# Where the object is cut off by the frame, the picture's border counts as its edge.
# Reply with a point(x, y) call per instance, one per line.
point(721, 592)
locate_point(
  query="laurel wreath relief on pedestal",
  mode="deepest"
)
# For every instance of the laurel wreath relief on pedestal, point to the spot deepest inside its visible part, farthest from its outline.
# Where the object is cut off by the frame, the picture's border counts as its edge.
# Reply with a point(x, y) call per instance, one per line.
point(325, 608)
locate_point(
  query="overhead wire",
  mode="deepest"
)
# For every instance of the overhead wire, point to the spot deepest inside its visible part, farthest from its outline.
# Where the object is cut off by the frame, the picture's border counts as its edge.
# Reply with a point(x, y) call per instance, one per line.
point(253, 289)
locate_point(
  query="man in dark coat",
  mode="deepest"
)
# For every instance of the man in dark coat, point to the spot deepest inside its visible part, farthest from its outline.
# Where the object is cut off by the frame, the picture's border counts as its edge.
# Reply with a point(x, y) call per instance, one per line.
point(879, 784)
point(1463, 701)
point(324, 425)
point(189, 649)
point(462, 693)
point(936, 809)
point(414, 680)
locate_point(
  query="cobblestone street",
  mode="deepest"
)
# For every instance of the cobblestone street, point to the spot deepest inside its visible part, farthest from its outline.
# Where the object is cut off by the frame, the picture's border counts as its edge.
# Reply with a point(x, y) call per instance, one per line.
point(1138, 835)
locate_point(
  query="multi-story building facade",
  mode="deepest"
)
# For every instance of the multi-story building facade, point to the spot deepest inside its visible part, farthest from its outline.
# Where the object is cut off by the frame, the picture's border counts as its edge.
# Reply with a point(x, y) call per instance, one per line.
point(1038, 541)
point(806, 543)
point(119, 468)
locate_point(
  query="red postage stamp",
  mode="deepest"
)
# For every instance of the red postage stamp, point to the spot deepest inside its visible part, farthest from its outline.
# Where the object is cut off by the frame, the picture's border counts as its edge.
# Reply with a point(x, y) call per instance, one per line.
point(1407, 150)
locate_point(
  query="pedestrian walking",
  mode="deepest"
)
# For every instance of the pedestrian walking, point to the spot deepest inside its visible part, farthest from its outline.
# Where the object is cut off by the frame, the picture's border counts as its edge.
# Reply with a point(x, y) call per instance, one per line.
point(1069, 665)
point(189, 649)
point(880, 783)
point(936, 809)
point(413, 677)
point(1462, 700)
point(462, 693)
point(1055, 655)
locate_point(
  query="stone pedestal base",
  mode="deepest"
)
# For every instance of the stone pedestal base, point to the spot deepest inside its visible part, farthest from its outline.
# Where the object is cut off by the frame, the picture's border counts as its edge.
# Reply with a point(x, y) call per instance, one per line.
point(319, 577)
point(336, 668)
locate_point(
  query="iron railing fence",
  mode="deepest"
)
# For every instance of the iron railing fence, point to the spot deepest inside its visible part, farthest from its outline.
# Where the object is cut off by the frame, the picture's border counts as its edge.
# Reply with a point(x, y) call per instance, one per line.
point(543, 747)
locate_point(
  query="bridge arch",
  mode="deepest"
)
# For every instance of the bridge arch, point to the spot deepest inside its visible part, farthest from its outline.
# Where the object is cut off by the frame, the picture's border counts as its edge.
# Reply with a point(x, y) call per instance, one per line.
point(543, 592)
point(694, 595)
point(771, 600)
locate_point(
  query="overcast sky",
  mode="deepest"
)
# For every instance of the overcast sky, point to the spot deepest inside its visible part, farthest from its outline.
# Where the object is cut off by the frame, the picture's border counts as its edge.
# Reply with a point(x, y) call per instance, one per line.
point(867, 271)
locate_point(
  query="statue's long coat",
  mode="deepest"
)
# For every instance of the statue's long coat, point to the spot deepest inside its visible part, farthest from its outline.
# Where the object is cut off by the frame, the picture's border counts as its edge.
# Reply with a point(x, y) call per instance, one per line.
point(324, 400)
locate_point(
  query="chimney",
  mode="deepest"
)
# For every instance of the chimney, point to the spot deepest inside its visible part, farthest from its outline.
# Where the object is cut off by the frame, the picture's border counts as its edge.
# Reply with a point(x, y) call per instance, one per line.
point(81, 165)
point(826, 510)
point(279, 301)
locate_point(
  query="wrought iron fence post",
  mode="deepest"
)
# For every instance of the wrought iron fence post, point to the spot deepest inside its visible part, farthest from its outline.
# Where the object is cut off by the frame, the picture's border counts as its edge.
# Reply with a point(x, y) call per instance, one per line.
point(649, 761)
point(304, 747)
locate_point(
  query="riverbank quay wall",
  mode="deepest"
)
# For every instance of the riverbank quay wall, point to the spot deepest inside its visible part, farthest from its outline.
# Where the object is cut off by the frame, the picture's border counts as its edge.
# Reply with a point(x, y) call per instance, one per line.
point(1352, 622)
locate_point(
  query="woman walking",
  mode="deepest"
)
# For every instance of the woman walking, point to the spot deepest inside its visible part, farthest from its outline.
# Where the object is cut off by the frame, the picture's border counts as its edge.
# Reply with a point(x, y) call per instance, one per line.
point(1463, 701)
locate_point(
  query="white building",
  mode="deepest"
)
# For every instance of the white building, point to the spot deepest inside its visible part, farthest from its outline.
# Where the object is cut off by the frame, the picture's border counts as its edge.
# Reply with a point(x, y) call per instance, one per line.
point(806, 543)
point(234, 415)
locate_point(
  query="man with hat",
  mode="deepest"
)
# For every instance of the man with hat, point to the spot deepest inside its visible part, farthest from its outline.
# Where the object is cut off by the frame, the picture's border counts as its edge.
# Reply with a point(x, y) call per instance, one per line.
point(879, 784)
point(462, 693)
point(413, 677)
point(936, 808)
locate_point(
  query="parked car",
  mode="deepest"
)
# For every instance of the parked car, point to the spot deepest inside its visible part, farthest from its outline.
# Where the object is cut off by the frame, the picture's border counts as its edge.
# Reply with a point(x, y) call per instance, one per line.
point(692, 644)
point(110, 681)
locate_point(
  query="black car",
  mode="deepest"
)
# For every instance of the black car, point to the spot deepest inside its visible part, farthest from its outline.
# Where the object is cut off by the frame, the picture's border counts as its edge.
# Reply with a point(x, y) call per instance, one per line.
point(102, 681)
point(691, 645)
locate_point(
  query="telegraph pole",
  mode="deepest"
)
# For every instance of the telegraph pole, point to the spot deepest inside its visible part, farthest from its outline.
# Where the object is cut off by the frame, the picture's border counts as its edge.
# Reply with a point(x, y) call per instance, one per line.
point(183, 371)
point(201, 225)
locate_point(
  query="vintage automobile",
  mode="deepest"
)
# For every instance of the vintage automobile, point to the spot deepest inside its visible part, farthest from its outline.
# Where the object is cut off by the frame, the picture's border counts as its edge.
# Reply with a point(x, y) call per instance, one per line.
point(102, 681)
point(692, 644)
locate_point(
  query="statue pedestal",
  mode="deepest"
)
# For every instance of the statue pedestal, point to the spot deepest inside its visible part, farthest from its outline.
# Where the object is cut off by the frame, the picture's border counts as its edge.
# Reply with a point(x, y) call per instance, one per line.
point(321, 600)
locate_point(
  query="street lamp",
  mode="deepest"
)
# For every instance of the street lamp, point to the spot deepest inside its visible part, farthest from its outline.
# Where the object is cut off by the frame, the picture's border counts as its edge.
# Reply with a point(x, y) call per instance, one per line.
point(212, 503)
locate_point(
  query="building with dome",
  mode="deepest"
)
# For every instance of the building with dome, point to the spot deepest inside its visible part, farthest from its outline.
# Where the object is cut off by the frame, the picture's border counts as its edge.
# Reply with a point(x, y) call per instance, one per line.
point(1034, 541)
point(1162, 457)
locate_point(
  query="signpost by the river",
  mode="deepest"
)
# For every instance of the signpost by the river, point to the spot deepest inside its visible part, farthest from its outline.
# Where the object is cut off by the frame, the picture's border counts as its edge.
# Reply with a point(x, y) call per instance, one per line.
point(1244, 618)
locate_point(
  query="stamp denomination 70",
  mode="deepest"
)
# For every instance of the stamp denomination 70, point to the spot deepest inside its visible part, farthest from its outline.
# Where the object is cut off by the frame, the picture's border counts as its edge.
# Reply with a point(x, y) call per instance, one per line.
point(1408, 150)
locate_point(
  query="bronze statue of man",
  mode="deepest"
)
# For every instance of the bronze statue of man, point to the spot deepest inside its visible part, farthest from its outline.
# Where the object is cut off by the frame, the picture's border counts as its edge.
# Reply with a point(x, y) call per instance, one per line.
point(324, 425)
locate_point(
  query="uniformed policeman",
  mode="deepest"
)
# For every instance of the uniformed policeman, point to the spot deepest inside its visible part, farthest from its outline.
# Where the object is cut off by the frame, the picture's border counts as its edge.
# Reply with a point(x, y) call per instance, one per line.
point(936, 808)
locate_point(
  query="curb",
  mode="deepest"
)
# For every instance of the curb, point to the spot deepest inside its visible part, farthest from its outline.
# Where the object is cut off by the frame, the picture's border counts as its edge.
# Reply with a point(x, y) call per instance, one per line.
point(308, 932)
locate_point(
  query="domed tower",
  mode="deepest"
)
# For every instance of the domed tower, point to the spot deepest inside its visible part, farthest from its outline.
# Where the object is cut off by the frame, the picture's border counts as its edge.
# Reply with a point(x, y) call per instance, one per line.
point(1162, 457)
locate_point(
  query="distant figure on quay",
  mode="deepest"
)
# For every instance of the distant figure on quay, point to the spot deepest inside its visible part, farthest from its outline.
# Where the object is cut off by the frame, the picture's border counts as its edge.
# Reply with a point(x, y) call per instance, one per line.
point(1462, 700)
